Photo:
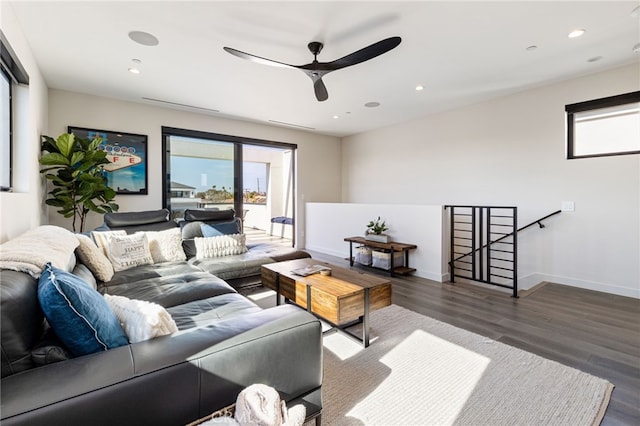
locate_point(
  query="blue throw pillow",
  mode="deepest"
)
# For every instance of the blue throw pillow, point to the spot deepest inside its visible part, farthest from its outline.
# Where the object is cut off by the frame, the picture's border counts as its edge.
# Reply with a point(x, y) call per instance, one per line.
point(78, 314)
point(217, 229)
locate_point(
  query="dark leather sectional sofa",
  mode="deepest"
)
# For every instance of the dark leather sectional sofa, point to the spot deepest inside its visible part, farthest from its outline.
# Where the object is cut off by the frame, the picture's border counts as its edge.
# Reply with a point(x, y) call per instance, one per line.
point(224, 344)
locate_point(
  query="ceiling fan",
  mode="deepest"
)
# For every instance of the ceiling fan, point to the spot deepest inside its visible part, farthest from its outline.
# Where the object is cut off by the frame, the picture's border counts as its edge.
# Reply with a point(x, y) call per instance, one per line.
point(316, 70)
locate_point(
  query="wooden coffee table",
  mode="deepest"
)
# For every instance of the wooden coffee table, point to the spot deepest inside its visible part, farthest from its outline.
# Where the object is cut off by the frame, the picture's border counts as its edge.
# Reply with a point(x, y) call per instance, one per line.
point(343, 299)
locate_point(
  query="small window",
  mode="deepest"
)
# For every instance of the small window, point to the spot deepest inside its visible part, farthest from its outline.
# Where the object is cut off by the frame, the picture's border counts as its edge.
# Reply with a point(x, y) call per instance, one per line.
point(603, 127)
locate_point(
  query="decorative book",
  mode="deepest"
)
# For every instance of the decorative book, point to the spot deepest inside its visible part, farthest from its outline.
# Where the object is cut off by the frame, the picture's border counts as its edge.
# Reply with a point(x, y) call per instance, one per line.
point(310, 270)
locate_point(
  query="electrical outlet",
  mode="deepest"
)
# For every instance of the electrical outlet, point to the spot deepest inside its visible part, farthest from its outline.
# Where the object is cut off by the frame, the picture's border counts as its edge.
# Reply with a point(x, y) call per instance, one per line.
point(568, 206)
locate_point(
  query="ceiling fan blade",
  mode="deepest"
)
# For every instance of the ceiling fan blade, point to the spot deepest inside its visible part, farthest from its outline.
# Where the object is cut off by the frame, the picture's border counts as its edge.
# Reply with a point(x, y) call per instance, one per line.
point(320, 89)
point(364, 54)
point(257, 59)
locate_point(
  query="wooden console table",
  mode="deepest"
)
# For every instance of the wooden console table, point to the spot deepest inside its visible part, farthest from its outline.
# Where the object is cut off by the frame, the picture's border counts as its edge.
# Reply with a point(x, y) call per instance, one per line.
point(389, 247)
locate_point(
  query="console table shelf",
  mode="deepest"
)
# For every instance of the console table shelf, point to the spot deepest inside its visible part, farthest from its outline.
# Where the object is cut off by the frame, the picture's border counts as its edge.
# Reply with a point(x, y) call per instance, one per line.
point(389, 247)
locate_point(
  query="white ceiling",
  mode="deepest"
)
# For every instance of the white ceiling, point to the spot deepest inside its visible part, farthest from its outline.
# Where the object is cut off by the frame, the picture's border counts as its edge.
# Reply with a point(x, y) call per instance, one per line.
point(461, 52)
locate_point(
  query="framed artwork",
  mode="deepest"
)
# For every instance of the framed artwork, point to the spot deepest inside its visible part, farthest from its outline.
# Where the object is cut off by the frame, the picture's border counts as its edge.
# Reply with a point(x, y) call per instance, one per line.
point(127, 153)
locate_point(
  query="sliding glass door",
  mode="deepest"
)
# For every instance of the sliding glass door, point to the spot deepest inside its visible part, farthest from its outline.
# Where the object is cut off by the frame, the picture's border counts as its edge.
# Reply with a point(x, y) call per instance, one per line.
point(211, 171)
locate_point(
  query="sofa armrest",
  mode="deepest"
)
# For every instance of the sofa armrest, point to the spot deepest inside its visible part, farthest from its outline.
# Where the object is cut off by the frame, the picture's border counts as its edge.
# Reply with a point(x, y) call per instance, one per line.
point(172, 379)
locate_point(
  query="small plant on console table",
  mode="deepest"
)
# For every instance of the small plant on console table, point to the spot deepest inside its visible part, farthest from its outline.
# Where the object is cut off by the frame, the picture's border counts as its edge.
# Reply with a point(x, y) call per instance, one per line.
point(79, 184)
point(375, 231)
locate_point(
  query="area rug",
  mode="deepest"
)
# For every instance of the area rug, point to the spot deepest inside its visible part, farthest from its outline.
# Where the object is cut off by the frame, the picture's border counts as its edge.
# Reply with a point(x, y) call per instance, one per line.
point(420, 371)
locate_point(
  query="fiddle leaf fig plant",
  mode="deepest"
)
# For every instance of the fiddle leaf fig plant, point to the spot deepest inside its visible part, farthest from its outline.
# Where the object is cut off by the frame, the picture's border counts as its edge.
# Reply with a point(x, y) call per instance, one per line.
point(74, 166)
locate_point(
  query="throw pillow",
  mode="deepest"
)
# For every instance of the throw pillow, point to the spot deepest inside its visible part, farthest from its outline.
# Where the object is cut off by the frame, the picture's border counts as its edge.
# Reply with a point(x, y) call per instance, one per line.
point(165, 246)
point(101, 238)
point(223, 245)
point(128, 251)
point(94, 258)
point(216, 229)
point(141, 320)
point(78, 314)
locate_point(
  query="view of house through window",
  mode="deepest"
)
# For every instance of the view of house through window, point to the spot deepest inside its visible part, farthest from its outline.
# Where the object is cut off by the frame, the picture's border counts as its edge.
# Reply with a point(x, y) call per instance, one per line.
point(609, 126)
point(255, 180)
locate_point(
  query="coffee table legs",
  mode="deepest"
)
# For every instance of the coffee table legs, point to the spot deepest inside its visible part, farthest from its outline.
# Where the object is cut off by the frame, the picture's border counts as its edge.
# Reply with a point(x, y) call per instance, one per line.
point(364, 319)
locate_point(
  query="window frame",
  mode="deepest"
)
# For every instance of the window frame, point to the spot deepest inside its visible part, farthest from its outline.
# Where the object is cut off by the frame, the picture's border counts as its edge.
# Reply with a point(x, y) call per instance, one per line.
point(238, 143)
point(611, 101)
point(9, 160)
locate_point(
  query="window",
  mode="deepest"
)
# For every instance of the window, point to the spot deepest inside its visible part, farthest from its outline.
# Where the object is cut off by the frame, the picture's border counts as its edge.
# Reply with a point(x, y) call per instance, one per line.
point(11, 72)
point(5, 132)
point(604, 127)
point(212, 171)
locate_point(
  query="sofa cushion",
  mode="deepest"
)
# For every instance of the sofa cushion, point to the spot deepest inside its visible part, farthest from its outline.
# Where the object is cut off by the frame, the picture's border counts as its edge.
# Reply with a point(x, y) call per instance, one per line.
point(222, 228)
point(166, 246)
point(209, 215)
point(94, 258)
point(141, 320)
point(126, 252)
point(117, 220)
point(211, 310)
point(22, 322)
point(155, 283)
point(77, 313)
point(220, 246)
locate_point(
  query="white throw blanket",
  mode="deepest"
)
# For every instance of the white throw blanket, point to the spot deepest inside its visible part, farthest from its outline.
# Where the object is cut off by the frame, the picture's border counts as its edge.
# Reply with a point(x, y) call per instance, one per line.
point(30, 251)
point(141, 320)
point(260, 405)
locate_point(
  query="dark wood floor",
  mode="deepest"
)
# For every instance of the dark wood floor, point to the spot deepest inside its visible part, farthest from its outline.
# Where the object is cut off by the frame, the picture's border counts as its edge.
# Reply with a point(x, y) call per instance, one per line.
point(594, 332)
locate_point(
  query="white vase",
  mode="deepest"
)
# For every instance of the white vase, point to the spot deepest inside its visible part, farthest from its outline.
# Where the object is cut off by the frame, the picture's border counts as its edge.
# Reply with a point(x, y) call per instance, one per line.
point(379, 238)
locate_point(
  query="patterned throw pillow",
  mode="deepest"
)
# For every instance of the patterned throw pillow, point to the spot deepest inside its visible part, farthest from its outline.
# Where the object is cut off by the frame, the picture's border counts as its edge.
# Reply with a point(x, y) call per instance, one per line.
point(101, 238)
point(94, 258)
point(165, 246)
point(129, 251)
point(78, 314)
point(223, 245)
point(141, 320)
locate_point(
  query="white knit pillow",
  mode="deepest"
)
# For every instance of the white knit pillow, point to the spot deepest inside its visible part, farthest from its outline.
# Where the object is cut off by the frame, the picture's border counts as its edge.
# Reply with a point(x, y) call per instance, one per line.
point(141, 320)
point(128, 251)
point(222, 245)
point(94, 258)
point(165, 246)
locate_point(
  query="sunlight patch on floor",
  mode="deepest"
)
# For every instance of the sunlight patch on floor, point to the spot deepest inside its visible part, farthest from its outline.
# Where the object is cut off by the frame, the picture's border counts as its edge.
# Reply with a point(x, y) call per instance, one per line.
point(427, 368)
point(342, 346)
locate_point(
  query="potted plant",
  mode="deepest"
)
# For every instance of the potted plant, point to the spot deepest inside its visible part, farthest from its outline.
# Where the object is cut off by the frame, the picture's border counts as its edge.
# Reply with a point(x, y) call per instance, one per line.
point(79, 183)
point(375, 231)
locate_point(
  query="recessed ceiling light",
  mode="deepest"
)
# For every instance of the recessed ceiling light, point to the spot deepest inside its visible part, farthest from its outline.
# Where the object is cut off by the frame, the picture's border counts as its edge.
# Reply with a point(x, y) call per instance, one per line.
point(576, 33)
point(335, 117)
point(134, 70)
point(136, 61)
point(143, 38)
point(635, 13)
point(372, 104)
point(594, 59)
point(531, 48)
point(636, 48)
point(419, 87)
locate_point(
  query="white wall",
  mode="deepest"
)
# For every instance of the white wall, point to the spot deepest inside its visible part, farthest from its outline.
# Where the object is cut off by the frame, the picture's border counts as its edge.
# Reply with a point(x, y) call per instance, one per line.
point(511, 151)
point(318, 157)
point(24, 208)
point(329, 223)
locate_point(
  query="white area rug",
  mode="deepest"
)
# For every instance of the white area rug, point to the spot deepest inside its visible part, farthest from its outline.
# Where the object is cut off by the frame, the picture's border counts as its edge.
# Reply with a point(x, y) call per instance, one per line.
point(420, 371)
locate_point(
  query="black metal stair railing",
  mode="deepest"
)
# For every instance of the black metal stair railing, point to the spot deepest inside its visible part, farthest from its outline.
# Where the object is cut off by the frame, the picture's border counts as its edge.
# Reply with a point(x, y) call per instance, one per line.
point(484, 244)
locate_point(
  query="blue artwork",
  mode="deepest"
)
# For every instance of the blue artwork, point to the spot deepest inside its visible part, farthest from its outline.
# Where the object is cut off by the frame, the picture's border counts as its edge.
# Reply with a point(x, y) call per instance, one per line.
point(127, 155)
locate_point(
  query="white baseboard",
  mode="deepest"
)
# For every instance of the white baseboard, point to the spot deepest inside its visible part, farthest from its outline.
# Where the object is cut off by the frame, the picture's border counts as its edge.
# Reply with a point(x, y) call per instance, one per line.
point(531, 280)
